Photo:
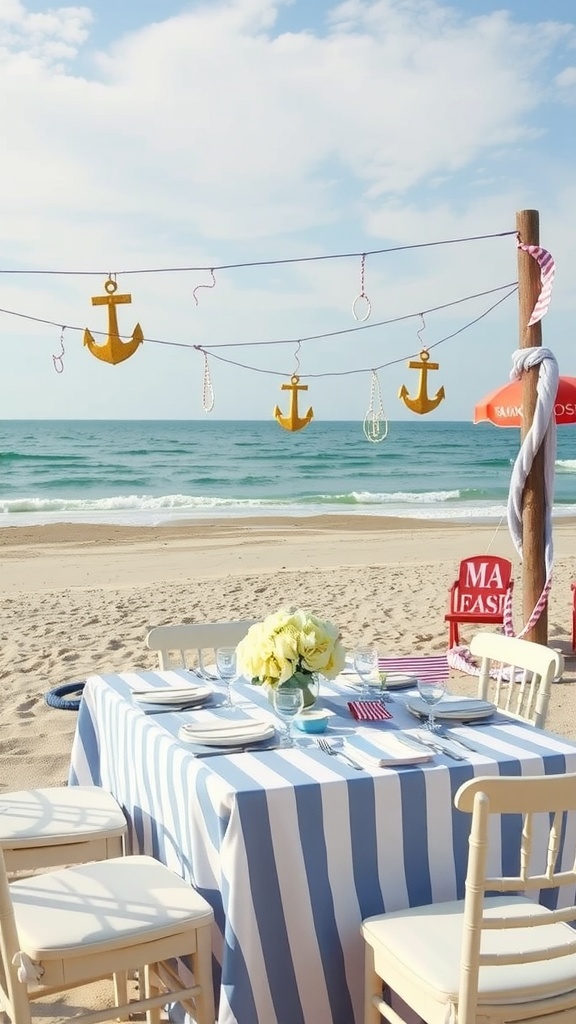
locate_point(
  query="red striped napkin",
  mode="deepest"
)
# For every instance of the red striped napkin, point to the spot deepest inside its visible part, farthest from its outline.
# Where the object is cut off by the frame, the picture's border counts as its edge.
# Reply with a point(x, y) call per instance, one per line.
point(368, 710)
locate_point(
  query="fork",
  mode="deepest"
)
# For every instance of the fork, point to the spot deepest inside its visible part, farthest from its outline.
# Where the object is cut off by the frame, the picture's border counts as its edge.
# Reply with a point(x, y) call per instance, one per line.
point(447, 734)
point(203, 674)
point(325, 746)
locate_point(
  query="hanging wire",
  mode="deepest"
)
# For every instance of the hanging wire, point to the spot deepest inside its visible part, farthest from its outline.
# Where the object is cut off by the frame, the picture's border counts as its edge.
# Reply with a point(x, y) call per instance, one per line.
point(513, 287)
point(375, 421)
point(58, 359)
point(271, 263)
point(362, 298)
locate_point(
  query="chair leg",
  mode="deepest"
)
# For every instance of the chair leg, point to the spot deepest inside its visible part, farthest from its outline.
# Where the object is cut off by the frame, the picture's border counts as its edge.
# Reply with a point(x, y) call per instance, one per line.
point(454, 634)
point(202, 968)
point(372, 986)
point(150, 989)
point(121, 991)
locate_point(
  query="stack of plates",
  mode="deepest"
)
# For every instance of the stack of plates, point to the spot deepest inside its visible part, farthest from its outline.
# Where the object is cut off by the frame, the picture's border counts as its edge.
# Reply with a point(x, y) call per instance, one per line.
point(394, 680)
point(462, 709)
point(399, 681)
point(227, 732)
point(172, 696)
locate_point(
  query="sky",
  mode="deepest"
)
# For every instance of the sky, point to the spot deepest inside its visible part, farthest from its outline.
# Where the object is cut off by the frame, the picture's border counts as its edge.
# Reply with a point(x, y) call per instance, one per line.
point(156, 135)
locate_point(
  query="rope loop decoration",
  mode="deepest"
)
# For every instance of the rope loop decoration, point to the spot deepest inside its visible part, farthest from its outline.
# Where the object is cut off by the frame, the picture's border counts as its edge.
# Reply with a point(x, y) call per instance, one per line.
point(211, 285)
point(420, 331)
point(362, 299)
point(542, 432)
point(66, 696)
point(58, 359)
point(207, 389)
point(296, 369)
point(375, 421)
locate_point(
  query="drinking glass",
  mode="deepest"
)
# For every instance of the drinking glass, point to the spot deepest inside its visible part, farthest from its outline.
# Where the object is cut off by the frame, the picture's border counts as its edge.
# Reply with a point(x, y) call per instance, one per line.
point(226, 669)
point(365, 660)
point(432, 692)
point(288, 702)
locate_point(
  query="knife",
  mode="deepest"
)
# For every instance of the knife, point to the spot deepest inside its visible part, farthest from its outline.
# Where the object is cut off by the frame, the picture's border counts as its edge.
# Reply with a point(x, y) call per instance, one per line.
point(463, 743)
point(440, 749)
point(234, 750)
point(174, 708)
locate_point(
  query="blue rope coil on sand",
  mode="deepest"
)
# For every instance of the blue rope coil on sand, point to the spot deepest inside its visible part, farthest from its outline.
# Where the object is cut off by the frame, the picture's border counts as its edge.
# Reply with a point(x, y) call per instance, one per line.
point(59, 696)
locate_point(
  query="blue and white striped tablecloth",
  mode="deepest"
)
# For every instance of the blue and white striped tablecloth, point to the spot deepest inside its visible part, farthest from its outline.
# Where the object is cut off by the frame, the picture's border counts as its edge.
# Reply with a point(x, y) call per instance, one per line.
point(293, 848)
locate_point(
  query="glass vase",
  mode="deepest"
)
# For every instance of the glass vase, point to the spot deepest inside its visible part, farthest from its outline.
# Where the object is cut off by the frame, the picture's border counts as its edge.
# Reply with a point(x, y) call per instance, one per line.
point(309, 683)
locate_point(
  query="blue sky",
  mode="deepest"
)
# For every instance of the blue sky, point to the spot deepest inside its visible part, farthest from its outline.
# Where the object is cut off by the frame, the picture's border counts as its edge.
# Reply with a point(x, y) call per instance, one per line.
point(149, 135)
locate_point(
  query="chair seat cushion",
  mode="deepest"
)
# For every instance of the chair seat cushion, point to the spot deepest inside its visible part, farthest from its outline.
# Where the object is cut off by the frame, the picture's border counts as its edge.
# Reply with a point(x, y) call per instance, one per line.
point(425, 943)
point(109, 904)
point(58, 815)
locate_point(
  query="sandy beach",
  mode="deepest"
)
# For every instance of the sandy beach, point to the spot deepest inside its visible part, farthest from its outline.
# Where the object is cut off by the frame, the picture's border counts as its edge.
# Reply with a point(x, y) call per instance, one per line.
point(81, 599)
point(77, 599)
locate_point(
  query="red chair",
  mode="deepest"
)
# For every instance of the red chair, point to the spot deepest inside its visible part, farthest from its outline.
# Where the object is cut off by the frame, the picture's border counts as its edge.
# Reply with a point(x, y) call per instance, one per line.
point(480, 593)
point(573, 586)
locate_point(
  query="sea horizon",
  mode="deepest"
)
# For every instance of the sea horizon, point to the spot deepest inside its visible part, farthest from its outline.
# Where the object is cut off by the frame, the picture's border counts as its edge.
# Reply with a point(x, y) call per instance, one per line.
point(151, 472)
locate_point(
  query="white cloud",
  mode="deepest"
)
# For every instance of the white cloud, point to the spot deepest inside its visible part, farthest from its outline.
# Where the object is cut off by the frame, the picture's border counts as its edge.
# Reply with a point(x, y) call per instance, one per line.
point(210, 137)
point(566, 82)
point(52, 37)
point(211, 122)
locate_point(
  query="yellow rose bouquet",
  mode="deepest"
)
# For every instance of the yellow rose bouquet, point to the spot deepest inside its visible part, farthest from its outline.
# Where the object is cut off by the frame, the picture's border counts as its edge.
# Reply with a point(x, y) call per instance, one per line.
point(291, 645)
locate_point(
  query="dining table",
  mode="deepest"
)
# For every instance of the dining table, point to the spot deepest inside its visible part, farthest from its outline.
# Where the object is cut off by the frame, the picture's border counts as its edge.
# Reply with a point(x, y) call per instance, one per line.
point(292, 846)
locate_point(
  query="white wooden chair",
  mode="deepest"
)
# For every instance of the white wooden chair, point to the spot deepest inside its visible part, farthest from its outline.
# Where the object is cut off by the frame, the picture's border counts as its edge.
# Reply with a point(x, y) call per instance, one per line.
point(76, 925)
point(516, 675)
point(190, 641)
point(41, 828)
point(488, 959)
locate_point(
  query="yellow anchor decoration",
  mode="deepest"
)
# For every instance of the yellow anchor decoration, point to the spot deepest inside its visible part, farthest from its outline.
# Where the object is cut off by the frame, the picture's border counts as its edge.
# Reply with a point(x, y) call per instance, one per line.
point(114, 350)
point(293, 421)
point(422, 403)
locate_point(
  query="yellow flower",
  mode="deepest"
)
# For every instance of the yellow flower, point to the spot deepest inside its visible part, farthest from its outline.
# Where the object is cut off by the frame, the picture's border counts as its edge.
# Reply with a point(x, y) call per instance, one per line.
point(290, 641)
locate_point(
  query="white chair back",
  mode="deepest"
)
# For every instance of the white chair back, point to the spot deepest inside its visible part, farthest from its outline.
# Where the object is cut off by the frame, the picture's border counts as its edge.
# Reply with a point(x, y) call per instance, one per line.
point(543, 803)
point(189, 642)
point(506, 953)
point(516, 675)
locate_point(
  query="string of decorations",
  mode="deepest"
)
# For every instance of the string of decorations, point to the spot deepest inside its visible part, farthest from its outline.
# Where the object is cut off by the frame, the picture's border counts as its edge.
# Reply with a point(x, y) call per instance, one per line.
point(511, 285)
point(115, 350)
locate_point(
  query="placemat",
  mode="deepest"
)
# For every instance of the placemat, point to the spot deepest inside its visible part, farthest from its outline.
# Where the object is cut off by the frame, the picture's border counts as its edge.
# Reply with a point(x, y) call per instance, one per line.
point(430, 667)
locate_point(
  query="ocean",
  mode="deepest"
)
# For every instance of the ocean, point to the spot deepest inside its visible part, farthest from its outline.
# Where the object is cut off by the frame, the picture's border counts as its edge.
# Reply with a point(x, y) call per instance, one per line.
point(151, 472)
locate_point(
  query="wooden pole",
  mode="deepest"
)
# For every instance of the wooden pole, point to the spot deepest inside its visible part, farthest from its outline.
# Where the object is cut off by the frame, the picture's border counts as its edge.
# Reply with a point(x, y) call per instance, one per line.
point(533, 503)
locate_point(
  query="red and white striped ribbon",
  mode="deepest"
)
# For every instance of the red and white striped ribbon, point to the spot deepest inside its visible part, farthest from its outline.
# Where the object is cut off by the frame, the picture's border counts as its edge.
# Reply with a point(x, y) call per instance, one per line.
point(547, 270)
point(536, 612)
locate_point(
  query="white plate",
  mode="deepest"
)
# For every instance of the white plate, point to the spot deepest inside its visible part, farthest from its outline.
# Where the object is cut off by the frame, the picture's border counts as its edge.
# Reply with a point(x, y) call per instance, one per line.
point(399, 681)
point(462, 709)
point(171, 695)
point(228, 733)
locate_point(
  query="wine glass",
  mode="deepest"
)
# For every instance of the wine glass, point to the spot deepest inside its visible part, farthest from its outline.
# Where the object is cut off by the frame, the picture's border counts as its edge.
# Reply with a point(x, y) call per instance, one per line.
point(288, 702)
point(226, 669)
point(431, 691)
point(365, 660)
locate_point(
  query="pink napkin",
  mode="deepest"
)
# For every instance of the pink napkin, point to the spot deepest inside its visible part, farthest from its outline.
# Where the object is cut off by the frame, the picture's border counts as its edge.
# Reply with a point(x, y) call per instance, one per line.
point(368, 710)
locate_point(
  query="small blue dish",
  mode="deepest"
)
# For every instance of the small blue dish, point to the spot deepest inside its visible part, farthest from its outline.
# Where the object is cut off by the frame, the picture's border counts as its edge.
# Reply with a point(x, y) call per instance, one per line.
point(312, 721)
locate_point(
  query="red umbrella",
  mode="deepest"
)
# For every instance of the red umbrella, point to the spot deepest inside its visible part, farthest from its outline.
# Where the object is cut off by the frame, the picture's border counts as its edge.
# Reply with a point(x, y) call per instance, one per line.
point(504, 406)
